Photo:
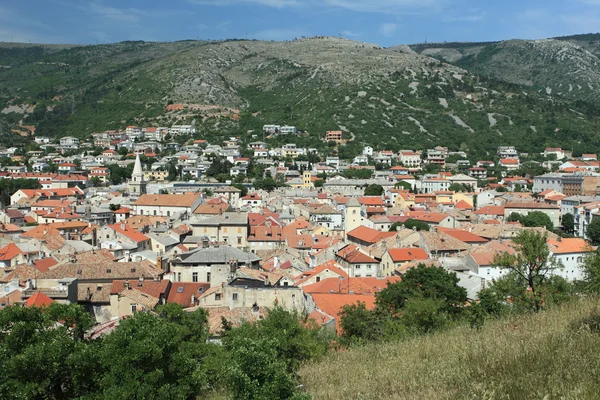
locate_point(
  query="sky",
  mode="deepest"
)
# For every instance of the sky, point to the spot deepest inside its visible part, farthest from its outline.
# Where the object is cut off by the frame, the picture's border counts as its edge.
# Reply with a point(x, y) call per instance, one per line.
point(382, 22)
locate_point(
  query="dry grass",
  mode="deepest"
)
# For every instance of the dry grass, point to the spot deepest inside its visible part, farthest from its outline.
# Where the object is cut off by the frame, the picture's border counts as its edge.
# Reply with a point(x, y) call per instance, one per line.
point(530, 357)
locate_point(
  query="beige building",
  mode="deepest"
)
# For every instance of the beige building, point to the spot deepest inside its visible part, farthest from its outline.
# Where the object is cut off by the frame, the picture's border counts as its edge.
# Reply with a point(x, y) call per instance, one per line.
point(230, 228)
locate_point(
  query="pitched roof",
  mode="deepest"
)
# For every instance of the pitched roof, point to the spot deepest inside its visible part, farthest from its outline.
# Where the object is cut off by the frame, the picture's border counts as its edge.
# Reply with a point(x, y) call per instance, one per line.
point(182, 292)
point(39, 299)
point(369, 235)
point(326, 266)
point(353, 255)
point(569, 245)
point(332, 303)
point(350, 285)
point(407, 254)
point(9, 252)
point(491, 210)
point(463, 205)
point(129, 232)
point(462, 235)
point(167, 200)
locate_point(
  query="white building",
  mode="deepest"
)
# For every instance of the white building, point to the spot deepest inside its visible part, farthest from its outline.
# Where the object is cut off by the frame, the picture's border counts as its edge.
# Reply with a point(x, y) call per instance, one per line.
point(288, 129)
point(42, 139)
point(69, 141)
point(367, 151)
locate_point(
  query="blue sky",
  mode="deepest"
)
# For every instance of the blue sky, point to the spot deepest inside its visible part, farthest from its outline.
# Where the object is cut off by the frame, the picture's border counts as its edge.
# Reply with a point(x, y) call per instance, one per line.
point(385, 22)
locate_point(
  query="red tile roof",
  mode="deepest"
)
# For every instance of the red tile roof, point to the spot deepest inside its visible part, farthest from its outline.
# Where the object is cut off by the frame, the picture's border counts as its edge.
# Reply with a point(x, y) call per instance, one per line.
point(407, 254)
point(369, 235)
point(353, 255)
point(181, 292)
point(129, 232)
point(9, 252)
point(332, 303)
point(39, 299)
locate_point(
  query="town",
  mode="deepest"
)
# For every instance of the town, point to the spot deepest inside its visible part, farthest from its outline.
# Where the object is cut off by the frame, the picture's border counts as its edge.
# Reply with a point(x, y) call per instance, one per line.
point(130, 220)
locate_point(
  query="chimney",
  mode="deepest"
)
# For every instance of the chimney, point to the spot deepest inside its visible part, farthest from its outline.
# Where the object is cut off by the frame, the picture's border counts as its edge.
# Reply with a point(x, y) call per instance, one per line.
point(126, 285)
point(123, 226)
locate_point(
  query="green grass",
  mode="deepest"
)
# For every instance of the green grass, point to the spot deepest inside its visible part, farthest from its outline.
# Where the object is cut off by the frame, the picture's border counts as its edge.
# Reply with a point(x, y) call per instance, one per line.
point(551, 355)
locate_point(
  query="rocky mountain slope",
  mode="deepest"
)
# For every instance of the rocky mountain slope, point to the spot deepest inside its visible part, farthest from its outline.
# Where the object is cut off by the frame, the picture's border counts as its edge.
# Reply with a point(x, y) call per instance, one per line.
point(568, 67)
point(390, 98)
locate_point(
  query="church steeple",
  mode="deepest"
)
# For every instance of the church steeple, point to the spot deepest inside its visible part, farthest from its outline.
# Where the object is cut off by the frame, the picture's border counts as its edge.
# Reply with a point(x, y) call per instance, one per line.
point(137, 184)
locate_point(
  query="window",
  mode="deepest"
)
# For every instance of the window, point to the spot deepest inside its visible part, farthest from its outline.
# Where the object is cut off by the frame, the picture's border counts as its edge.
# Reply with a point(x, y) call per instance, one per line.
point(239, 230)
point(286, 283)
point(168, 213)
point(318, 279)
point(194, 277)
point(133, 308)
point(205, 230)
point(235, 297)
point(224, 229)
point(154, 212)
point(208, 277)
point(217, 296)
point(239, 240)
point(179, 277)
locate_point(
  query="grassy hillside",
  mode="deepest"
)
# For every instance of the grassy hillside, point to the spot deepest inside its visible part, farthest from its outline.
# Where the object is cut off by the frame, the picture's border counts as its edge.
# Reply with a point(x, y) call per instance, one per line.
point(550, 355)
point(383, 97)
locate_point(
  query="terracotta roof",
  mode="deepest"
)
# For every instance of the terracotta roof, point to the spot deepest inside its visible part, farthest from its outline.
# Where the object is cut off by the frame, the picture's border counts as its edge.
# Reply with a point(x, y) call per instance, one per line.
point(462, 235)
point(371, 201)
point(369, 286)
point(152, 288)
point(9, 252)
point(369, 235)
point(182, 292)
point(265, 234)
point(122, 210)
point(167, 200)
point(569, 245)
point(491, 210)
point(13, 297)
point(353, 255)
point(407, 254)
point(332, 303)
point(103, 270)
point(129, 232)
point(463, 205)
point(44, 264)
point(433, 217)
point(327, 266)
point(39, 299)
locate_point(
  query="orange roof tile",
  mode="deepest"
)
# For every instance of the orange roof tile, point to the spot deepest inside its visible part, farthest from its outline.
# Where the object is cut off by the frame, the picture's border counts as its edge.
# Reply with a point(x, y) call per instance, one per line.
point(407, 254)
point(39, 299)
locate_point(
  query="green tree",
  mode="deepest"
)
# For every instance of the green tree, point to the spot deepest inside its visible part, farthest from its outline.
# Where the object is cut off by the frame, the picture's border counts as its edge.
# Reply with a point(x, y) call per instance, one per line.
point(418, 225)
point(319, 183)
point(533, 219)
point(267, 184)
point(531, 262)
point(591, 270)
point(374, 190)
point(424, 282)
point(568, 223)
point(593, 231)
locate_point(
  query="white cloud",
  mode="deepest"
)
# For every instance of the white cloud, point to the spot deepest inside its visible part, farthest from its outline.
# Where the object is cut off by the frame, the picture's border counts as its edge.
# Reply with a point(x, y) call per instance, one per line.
point(388, 29)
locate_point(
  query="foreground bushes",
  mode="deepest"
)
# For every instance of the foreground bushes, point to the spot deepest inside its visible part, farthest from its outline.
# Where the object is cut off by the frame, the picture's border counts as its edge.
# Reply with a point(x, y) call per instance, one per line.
point(45, 355)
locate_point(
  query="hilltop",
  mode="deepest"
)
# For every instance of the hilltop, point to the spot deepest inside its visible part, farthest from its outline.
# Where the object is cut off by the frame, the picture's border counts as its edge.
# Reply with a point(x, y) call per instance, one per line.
point(567, 66)
point(391, 98)
point(546, 355)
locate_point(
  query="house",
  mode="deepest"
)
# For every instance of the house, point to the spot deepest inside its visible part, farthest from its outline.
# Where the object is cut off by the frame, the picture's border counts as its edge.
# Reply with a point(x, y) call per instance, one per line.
point(334, 136)
point(556, 151)
point(69, 142)
point(510, 164)
point(128, 297)
point(45, 194)
point(570, 253)
point(395, 259)
point(230, 228)
point(357, 263)
point(186, 294)
point(524, 208)
point(113, 237)
point(365, 236)
point(251, 200)
point(166, 205)
point(210, 264)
